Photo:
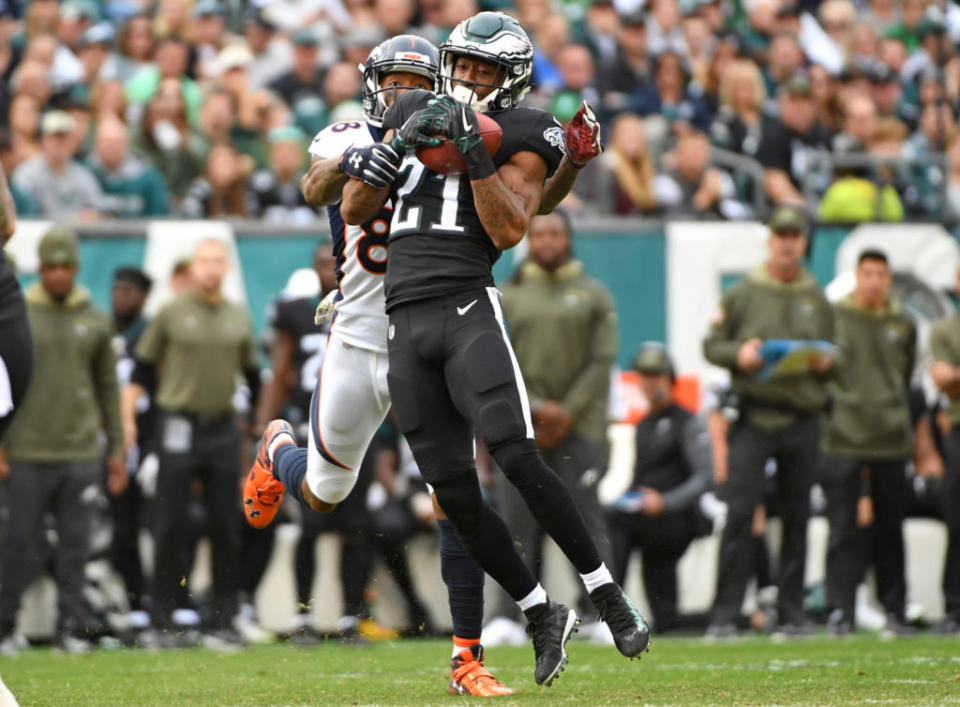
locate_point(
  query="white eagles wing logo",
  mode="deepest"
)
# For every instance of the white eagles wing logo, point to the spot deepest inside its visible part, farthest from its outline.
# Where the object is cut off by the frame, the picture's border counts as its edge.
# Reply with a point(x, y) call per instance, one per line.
point(554, 135)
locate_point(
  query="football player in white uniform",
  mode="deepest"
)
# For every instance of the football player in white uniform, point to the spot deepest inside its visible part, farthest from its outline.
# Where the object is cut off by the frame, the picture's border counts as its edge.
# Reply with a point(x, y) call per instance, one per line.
point(351, 399)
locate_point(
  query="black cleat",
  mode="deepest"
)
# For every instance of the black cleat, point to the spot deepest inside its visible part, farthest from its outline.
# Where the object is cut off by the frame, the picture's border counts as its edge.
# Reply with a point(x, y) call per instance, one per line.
point(629, 629)
point(550, 626)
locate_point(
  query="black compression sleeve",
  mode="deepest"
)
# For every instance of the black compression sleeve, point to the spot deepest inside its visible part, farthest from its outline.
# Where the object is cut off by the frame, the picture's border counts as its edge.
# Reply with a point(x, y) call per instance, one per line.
point(479, 163)
point(252, 375)
point(144, 374)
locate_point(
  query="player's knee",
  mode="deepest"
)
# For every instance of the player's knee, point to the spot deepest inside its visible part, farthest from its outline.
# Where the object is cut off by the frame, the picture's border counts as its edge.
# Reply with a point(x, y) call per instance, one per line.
point(323, 495)
point(316, 504)
point(518, 458)
point(459, 496)
point(501, 423)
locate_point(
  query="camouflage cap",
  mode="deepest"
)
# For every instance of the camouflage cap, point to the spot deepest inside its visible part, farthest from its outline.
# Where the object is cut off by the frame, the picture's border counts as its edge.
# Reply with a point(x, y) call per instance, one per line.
point(788, 217)
point(653, 358)
point(59, 247)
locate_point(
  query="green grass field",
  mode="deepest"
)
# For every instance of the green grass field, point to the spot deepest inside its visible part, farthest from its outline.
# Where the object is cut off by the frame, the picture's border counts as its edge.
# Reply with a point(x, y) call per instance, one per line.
point(909, 671)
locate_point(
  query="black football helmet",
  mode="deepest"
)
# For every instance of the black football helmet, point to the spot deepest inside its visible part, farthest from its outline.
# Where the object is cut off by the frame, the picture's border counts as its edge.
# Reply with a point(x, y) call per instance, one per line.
point(405, 52)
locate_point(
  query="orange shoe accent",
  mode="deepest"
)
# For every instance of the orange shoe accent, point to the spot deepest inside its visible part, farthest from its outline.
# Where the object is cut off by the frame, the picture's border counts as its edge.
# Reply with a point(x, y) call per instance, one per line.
point(262, 493)
point(469, 677)
point(372, 631)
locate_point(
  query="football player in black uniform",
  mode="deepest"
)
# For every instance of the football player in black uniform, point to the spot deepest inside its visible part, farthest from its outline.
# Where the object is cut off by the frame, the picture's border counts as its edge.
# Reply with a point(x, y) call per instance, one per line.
point(16, 344)
point(452, 371)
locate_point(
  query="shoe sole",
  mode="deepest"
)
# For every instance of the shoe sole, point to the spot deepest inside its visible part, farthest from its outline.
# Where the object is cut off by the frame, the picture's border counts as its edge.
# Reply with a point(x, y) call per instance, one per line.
point(645, 649)
point(456, 688)
point(570, 628)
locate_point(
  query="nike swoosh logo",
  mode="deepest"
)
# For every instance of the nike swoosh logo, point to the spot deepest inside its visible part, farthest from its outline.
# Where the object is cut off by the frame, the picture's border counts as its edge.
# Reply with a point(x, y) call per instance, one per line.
point(466, 308)
point(466, 123)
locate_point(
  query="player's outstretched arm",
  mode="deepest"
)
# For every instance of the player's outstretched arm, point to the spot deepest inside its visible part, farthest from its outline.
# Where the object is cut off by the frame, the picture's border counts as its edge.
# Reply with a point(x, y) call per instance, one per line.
point(558, 186)
point(323, 184)
point(507, 199)
point(582, 140)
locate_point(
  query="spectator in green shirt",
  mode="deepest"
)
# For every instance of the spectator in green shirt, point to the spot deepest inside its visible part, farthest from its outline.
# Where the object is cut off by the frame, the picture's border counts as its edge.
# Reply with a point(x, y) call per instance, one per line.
point(170, 61)
point(132, 187)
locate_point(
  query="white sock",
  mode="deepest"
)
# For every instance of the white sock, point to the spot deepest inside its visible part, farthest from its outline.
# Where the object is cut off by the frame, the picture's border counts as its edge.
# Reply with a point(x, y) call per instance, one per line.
point(537, 596)
point(597, 578)
point(281, 438)
point(459, 647)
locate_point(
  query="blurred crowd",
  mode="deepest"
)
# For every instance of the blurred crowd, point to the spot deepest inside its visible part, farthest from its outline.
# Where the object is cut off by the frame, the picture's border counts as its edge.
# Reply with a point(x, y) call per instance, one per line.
point(134, 108)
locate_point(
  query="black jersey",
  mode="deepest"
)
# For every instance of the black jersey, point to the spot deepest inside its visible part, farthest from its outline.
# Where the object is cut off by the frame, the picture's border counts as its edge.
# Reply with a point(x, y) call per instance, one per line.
point(294, 317)
point(11, 300)
point(437, 244)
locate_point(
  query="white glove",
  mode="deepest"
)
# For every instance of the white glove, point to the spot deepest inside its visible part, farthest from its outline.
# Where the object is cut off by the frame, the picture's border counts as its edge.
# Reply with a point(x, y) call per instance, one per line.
point(325, 309)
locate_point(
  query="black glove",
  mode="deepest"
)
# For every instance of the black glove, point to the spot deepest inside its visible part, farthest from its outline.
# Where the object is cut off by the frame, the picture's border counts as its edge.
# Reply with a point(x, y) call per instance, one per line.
point(375, 165)
point(415, 132)
point(454, 120)
point(458, 122)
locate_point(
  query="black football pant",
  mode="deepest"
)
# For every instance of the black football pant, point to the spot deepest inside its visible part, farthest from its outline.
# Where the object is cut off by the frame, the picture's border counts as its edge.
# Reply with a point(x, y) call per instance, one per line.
point(851, 548)
point(69, 491)
point(126, 513)
point(352, 520)
point(579, 462)
point(795, 449)
point(16, 355)
point(453, 372)
point(210, 453)
point(662, 540)
point(951, 514)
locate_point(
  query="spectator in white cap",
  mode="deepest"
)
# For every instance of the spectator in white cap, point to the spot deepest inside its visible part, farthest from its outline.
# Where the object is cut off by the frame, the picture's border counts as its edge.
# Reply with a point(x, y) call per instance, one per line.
point(232, 65)
point(95, 51)
point(62, 188)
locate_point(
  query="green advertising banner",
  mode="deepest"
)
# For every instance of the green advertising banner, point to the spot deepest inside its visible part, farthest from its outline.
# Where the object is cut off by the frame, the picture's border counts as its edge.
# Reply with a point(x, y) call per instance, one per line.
point(632, 262)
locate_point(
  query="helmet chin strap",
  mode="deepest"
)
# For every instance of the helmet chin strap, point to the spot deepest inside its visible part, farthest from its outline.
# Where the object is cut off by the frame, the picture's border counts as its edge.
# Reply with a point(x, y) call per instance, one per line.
point(468, 95)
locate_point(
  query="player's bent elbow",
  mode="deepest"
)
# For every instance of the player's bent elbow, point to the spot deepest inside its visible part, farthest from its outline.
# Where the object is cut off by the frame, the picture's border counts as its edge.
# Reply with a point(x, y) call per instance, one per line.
point(507, 238)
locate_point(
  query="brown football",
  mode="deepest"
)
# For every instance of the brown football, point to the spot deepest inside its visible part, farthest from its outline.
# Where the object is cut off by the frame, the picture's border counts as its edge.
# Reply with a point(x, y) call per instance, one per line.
point(447, 159)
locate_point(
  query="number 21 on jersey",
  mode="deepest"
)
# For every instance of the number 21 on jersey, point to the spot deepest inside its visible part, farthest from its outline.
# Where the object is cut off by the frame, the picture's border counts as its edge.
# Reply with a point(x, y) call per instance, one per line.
point(409, 217)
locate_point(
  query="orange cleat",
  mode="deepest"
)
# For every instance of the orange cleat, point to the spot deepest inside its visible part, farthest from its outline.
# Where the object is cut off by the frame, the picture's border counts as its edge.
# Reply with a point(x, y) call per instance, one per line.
point(262, 493)
point(469, 677)
point(372, 631)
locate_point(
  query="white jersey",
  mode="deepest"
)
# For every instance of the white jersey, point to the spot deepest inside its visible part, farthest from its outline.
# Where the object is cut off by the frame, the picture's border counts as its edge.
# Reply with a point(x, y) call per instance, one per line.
point(360, 251)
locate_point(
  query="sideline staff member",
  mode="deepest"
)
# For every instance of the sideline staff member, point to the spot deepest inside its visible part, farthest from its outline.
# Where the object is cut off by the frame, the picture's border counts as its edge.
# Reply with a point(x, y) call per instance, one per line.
point(945, 371)
point(193, 351)
point(869, 431)
point(674, 468)
point(779, 418)
point(56, 462)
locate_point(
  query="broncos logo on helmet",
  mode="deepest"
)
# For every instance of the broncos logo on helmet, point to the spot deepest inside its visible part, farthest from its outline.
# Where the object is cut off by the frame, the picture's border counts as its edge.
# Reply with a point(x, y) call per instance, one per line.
point(496, 38)
point(405, 52)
